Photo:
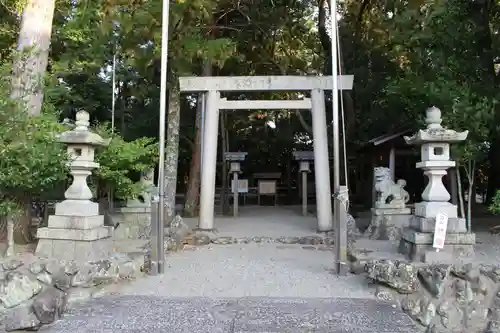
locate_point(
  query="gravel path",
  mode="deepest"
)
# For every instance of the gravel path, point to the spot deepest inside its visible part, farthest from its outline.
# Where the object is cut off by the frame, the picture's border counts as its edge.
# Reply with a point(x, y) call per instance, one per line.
point(272, 270)
point(260, 221)
point(267, 270)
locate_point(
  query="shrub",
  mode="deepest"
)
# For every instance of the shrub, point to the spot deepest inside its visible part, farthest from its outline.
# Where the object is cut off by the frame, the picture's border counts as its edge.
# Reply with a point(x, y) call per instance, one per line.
point(31, 159)
point(120, 160)
point(494, 207)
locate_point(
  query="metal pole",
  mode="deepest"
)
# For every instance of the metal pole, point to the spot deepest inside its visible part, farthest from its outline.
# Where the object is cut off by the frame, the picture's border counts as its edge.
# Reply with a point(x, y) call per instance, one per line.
point(113, 101)
point(161, 162)
point(338, 222)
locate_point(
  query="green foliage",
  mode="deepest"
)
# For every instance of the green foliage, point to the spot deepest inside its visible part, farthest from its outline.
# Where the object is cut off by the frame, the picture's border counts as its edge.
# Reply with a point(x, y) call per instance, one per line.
point(13, 6)
point(32, 161)
point(494, 207)
point(436, 45)
point(121, 159)
point(405, 56)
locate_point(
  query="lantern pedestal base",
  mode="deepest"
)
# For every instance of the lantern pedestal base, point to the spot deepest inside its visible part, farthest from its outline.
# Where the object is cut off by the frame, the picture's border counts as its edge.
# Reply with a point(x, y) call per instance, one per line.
point(415, 244)
point(79, 251)
point(75, 234)
point(387, 224)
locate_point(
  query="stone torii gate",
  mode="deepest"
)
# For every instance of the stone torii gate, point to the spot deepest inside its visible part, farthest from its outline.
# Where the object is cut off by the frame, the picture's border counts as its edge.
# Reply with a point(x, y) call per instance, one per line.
point(213, 86)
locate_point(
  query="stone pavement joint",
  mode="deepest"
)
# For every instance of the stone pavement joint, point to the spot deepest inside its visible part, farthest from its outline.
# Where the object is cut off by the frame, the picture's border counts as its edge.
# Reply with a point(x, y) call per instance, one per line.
point(136, 314)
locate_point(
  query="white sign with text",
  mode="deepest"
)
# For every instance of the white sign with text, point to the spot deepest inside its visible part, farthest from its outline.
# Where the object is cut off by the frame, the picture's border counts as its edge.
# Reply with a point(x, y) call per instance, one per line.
point(440, 231)
point(267, 187)
point(242, 185)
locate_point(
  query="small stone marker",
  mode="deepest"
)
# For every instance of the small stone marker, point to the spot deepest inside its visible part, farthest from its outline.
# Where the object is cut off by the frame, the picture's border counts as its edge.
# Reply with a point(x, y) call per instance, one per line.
point(440, 231)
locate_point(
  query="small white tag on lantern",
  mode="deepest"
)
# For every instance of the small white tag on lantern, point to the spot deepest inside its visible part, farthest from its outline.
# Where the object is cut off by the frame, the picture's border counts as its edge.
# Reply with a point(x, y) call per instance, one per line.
point(440, 231)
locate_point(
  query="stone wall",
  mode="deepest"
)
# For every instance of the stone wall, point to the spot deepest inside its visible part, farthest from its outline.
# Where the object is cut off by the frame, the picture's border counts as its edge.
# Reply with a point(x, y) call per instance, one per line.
point(441, 298)
point(35, 294)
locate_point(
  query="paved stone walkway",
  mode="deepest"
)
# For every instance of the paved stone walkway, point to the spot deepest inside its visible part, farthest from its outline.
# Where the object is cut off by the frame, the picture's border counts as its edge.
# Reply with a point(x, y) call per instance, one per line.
point(135, 314)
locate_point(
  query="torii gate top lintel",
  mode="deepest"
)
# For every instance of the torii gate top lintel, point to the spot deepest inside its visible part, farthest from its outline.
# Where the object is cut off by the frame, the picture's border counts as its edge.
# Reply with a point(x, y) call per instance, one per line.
point(263, 83)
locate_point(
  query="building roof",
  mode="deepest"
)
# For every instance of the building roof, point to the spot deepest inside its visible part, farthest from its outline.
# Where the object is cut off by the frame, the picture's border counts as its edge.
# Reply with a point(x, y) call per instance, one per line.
point(388, 137)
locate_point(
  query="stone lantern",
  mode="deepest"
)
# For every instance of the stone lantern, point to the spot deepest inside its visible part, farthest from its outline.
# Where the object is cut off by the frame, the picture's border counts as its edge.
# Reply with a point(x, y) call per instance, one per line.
point(304, 158)
point(76, 229)
point(235, 158)
point(417, 239)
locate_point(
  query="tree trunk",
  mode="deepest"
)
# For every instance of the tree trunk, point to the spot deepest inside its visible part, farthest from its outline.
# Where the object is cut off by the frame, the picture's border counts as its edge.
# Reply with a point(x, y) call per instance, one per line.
point(31, 61)
point(324, 37)
point(172, 150)
point(470, 204)
point(303, 122)
point(460, 192)
point(452, 176)
point(471, 193)
point(124, 95)
point(193, 191)
point(10, 238)
point(28, 71)
point(22, 233)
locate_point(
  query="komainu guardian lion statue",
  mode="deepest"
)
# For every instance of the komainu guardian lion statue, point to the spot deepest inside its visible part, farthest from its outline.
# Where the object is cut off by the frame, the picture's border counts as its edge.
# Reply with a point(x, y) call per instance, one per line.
point(388, 193)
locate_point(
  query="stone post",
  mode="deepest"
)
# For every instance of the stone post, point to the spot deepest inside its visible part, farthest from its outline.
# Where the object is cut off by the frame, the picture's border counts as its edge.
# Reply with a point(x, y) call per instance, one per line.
point(417, 239)
point(235, 170)
point(77, 231)
point(235, 158)
point(304, 158)
point(304, 170)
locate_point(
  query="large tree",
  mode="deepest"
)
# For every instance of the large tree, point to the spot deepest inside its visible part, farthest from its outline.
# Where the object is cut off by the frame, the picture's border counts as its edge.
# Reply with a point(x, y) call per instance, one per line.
point(31, 59)
point(27, 85)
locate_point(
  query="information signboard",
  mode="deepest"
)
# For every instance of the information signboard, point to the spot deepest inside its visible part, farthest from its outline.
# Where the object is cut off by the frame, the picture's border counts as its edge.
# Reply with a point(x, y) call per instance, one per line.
point(242, 185)
point(267, 187)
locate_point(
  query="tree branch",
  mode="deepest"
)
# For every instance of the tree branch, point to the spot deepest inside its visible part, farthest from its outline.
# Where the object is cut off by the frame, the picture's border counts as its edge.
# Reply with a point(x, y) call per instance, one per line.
point(303, 122)
point(365, 6)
